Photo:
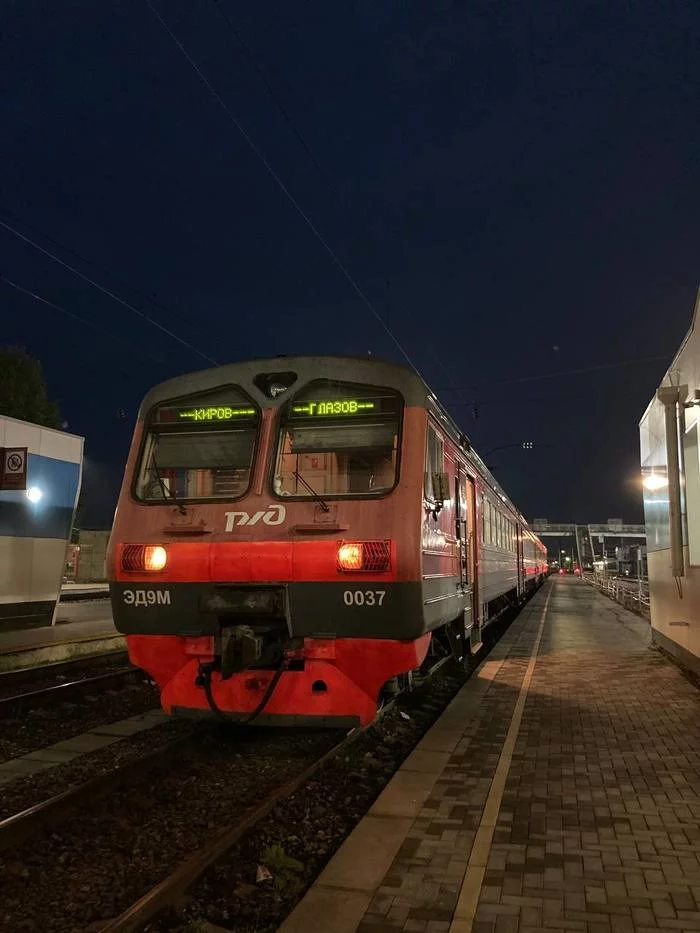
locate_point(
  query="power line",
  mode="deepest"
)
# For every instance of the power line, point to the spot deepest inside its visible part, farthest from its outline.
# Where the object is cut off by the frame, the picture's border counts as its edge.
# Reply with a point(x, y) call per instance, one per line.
point(565, 372)
point(72, 314)
point(107, 292)
point(254, 62)
point(252, 58)
point(297, 206)
point(91, 262)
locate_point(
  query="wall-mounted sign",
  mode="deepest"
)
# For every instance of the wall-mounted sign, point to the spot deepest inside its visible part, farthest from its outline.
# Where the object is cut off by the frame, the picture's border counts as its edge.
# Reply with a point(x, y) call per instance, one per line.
point(13, 467)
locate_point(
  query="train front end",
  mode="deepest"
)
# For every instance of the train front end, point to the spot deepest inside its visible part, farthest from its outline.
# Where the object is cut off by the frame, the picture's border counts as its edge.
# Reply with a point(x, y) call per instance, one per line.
point(264, 561)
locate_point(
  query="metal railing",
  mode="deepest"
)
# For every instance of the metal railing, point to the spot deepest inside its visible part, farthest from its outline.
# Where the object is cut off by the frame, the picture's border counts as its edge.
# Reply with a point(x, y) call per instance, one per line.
point(633, 594)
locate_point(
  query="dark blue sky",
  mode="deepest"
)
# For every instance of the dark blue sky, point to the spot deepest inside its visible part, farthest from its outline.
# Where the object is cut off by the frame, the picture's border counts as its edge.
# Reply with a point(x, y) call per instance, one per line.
point(501, 180)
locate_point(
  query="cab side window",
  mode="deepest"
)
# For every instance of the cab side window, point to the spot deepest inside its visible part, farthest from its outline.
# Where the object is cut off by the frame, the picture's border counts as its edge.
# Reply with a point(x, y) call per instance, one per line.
point(434, 460)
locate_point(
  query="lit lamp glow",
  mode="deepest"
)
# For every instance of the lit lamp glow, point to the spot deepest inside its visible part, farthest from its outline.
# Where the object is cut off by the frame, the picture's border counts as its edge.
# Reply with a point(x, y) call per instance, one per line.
point(34, 494)
point(654, 481)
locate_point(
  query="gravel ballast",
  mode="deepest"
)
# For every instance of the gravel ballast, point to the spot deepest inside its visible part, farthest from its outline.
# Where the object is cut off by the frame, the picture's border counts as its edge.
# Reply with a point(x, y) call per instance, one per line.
point(94, 866)
point(304, 830)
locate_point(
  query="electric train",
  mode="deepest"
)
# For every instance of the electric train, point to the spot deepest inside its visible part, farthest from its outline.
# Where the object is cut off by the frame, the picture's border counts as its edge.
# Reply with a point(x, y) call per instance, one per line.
point(296, 536)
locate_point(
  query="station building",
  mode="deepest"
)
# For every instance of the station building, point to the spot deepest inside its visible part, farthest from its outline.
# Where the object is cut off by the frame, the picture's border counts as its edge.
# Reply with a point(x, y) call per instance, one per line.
point(40, 476)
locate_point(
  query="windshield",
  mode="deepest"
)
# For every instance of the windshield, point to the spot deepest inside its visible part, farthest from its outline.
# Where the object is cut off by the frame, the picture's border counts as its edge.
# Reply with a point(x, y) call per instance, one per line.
point(338, 440)
point(199, 448)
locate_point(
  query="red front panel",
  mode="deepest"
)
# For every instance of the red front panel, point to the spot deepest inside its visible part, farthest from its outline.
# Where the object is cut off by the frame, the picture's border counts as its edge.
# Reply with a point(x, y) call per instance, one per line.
point(351, 671)
point(290, 540)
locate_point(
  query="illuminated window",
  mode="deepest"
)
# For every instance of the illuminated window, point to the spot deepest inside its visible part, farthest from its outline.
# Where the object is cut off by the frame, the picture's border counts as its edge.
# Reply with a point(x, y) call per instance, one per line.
point(691, 467)
point(199, 447)
point(655, 478)
point(338, 439)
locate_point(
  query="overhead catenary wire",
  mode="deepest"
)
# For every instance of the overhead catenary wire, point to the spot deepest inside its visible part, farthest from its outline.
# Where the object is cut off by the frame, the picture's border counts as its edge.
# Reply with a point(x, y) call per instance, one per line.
point(77, 317)
point(43, 235)
point(252, 58)
point(561, 373)
point(283, 187)
point(255, 64)
point(107, 292)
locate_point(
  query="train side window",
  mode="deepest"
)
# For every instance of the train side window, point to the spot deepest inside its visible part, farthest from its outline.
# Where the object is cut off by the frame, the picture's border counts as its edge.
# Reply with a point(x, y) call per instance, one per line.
point(435, 460)
point(483, 520)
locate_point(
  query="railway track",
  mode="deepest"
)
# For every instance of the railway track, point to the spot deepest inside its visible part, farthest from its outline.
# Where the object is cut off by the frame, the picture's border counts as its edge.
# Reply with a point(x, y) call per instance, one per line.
point(70, 690)
point(170, 891)
point(12, 682)
point(16, 829)
point(198, 829)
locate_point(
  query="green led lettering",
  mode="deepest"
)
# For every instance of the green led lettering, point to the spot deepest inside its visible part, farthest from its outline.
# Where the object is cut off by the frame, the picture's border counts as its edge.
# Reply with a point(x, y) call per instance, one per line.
point(220, 413)
point(350, 406)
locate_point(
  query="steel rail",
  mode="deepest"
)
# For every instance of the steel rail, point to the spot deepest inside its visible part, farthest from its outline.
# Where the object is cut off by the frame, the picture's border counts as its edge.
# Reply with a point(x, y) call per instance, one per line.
point(23, 674)
point(61, 692)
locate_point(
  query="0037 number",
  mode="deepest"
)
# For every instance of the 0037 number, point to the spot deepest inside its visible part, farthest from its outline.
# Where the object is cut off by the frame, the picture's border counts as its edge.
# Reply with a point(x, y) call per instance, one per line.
point(364, 597)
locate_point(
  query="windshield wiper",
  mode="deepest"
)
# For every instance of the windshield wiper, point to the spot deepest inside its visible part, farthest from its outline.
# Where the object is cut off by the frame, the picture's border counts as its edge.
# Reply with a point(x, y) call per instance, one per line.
point(167, 494)
point(322, 502)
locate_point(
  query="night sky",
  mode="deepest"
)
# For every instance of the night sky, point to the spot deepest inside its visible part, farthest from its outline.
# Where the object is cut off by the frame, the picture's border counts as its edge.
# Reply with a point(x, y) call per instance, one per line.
point(515, 187)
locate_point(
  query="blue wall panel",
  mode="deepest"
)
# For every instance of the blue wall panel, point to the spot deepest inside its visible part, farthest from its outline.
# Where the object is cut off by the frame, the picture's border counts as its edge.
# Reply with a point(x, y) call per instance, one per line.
point(51, 516)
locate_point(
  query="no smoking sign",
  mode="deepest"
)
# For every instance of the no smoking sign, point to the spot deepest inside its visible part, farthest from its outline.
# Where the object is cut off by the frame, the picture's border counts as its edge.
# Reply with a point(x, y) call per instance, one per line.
point(14, 468)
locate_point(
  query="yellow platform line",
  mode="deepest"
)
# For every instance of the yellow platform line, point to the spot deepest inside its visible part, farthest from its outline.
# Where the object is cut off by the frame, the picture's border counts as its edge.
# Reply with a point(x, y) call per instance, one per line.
point(470, 891)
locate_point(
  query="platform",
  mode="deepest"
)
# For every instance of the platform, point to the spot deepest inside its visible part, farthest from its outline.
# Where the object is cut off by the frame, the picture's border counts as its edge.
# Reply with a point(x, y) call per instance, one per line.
point(560, 791)
point(85, 629)
point(76, 591)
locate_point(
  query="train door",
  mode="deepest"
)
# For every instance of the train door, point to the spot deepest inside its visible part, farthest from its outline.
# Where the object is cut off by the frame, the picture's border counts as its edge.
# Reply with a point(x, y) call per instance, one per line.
point(521, 567)
point(462, 517)
point(467, 552)
point(473, 562)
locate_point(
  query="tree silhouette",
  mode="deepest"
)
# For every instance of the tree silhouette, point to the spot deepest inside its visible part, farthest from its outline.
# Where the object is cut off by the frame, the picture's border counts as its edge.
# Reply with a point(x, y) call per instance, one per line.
point(23, 390)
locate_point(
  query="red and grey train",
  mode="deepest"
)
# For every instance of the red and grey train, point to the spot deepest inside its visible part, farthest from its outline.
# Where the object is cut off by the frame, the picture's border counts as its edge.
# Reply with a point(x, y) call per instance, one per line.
point(295, 535)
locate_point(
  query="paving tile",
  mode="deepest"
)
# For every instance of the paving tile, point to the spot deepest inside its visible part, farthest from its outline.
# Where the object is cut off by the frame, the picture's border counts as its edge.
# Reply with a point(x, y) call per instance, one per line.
point(124, 728)
point(404, 795)
point(367, 854)
point(19, 767)
point(50, 755)
point(83, 744)
point(342, 911)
